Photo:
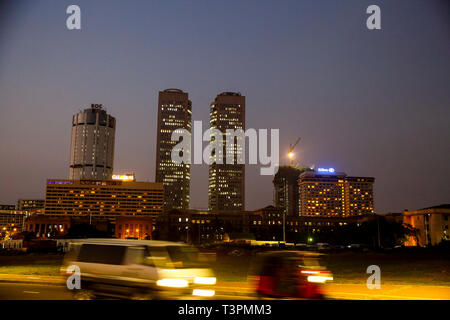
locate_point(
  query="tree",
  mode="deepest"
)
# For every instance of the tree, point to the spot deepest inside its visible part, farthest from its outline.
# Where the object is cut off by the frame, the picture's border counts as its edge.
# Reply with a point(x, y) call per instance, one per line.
point(84, 230)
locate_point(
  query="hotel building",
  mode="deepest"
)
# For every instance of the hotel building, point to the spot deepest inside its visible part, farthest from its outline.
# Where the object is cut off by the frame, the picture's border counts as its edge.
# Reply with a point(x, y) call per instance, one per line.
point(174, 112)
point(103, 198)
point(92, 144)
point(227, 181)
point(329, 194)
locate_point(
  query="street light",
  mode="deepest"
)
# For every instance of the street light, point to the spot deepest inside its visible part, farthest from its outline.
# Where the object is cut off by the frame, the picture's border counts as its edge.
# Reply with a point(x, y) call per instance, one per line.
point(291, 157)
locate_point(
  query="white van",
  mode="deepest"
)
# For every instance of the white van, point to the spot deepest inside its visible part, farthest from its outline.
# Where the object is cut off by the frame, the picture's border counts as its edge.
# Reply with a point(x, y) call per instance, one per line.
point(139, 269)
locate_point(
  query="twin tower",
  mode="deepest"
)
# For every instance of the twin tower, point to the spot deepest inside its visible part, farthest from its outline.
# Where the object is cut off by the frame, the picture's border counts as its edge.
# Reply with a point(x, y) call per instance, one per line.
point(226, 181)
point(92, 149)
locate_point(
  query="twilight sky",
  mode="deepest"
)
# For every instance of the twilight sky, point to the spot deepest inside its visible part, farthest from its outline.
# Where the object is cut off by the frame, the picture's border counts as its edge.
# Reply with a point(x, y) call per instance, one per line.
point(370, 103)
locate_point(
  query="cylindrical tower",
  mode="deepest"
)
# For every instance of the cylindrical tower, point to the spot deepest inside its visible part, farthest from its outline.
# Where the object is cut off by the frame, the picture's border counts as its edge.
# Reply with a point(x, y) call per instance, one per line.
point(92, 144)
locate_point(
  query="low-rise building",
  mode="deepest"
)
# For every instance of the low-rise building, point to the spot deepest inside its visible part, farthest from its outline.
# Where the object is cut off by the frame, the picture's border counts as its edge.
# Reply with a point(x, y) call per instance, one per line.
point(30, 205)
point(12, 221)
point(134, 227)
point(54, 226)
point(7, 207)
point(200, 226)
point(431, 225)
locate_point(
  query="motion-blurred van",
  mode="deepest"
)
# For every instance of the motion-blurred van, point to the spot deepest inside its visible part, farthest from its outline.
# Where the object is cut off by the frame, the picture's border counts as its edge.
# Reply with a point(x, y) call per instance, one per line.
point(138, 269)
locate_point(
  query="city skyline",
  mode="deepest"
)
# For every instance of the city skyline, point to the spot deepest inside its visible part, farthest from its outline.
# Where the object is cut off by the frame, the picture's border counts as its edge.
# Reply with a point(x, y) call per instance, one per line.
point(366, 103)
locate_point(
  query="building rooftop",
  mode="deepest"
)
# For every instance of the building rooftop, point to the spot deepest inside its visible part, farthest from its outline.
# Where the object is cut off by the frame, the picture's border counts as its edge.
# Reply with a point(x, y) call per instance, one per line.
point(174, 90)
point(440, 206)
point(228, 93)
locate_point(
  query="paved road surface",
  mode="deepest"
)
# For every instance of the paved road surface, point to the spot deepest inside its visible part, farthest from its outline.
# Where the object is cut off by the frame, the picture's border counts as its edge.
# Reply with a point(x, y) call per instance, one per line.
point(24, 291)
point(33, 291)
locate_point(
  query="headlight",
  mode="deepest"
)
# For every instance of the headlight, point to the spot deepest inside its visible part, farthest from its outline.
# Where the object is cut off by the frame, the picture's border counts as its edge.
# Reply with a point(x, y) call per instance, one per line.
point(173, 283)
point(203, 293)
point(205, 280)
point(319, 279)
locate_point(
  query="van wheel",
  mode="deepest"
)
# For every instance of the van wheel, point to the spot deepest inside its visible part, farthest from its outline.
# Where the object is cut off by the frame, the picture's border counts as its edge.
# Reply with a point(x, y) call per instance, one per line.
point(83, 295)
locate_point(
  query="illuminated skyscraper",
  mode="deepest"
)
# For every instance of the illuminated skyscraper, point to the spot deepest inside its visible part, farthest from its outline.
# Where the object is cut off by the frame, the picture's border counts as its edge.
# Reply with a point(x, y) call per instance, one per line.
point(174, 112)
point(329, 193)
point(92, 144)
point(227, 181)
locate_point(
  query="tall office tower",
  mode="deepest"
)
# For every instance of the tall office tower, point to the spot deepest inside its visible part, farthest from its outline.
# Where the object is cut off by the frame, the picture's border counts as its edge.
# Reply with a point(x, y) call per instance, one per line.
point(328, 193)
point(92, 145)
point(286, 190)
point(174, 112)
point(227, 181)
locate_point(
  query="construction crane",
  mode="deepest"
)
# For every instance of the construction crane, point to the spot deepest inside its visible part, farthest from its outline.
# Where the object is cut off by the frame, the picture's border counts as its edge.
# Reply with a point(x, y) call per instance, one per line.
point(291, 151)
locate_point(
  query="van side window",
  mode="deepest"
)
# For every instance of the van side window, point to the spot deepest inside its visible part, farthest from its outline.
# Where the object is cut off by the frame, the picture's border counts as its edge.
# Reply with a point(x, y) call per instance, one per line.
point(135, 255)
point(96, 253)
point(159, 257)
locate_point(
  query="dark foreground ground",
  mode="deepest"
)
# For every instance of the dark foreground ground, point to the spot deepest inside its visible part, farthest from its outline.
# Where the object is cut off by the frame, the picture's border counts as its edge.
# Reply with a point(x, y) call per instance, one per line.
point(405, 274)
point(416, 265)
point(428, 266)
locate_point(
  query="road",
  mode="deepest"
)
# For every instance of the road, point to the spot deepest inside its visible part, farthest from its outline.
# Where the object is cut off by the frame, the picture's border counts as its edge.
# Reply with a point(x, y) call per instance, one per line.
point(33, 291)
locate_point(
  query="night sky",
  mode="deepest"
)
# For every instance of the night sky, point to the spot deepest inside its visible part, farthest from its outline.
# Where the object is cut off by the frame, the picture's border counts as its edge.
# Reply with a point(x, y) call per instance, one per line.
point(369, 103)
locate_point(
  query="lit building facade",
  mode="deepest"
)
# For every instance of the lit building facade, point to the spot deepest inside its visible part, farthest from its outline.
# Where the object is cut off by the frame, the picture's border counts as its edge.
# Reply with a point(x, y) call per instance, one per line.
point(327, 194)
point(12, 221)
point(431, 224)
point(30, 204)
point(7, 207)
point(174, 112)
point(227, 181)
point(92, 144)
point(57, 226)
point(139, 228)
point(103, 198)
point(265, 224)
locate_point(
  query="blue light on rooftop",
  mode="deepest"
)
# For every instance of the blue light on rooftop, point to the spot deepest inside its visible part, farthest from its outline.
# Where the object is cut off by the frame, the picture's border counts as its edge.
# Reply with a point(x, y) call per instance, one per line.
point(326, 170)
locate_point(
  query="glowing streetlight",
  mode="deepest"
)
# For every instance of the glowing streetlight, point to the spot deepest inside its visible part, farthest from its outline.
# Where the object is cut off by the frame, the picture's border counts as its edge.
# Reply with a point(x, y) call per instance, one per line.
point(291, 153)
point(291, 156)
